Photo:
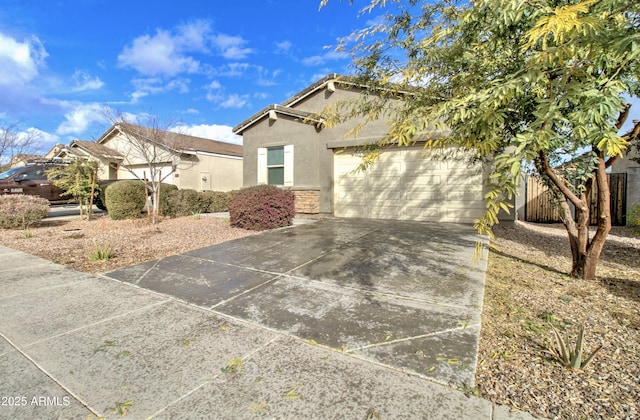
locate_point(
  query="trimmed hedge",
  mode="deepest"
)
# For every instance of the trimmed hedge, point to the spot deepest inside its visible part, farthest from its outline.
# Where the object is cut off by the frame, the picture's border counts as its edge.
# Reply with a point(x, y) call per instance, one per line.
point(22, 211)
point(125, 199)
point(165, 193)
point(184, 203)
point(216, 201)
point(262, 207)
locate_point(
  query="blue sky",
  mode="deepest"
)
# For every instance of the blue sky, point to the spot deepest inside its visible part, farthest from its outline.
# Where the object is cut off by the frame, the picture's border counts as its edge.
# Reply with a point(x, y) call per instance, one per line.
point(207, 65)
point(204, 65)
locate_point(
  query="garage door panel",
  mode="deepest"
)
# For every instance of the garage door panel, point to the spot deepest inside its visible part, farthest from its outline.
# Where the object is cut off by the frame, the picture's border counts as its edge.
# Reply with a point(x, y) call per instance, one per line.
point(404, 184)
point(351, 183)
point(385, 212)
point(351, 211)
point(423, 196)
point(470, 195)
point(458, 179)
point(421, 180)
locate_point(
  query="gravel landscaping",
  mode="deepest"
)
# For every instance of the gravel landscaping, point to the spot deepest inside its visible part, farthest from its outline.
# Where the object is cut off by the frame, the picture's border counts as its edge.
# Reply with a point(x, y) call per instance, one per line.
point(527, 290)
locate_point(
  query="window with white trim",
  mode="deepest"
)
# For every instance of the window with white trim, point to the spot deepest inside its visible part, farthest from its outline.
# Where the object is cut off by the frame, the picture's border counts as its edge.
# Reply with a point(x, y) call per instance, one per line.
point(275, 165)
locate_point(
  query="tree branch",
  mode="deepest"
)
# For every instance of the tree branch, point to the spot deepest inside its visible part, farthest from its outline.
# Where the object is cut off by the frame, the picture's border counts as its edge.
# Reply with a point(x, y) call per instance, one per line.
point(557, 181)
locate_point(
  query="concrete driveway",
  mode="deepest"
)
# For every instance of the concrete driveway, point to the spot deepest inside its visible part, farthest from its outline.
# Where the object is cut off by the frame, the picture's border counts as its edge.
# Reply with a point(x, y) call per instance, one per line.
point(402, 294)
point(322, 321)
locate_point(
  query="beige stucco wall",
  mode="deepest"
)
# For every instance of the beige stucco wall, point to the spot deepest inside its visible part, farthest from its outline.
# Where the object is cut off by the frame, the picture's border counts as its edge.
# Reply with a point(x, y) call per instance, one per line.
point(221, 173)
point(621, 165)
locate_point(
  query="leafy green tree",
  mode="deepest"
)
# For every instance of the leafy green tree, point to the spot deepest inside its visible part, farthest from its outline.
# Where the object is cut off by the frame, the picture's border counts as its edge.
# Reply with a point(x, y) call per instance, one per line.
point(539, 85)
point(78, 180)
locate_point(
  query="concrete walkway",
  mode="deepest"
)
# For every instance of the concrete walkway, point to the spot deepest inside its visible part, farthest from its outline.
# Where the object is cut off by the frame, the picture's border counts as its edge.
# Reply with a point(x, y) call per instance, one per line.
point(73, 344)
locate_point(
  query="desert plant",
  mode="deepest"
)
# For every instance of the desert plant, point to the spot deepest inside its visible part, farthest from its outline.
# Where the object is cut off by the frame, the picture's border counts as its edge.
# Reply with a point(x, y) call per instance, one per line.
point(22, 211)
point(216, 201)
point(573, 358)
point(100, 253)
point(27, 234)
point(262, 207)
point(125, 199)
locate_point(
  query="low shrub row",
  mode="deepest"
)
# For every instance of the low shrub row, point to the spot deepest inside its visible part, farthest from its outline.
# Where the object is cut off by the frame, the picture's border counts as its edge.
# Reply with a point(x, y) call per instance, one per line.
point(22, 211)
point(255, 208)
point(126, 200)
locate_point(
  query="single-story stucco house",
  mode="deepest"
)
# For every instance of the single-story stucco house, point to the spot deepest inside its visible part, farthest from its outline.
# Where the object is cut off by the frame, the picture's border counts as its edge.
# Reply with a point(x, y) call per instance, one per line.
point(189, 162)
point(284, 145)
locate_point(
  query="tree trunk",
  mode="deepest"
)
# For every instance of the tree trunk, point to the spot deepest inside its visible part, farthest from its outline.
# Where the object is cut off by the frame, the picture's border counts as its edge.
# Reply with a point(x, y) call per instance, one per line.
point(585, 251)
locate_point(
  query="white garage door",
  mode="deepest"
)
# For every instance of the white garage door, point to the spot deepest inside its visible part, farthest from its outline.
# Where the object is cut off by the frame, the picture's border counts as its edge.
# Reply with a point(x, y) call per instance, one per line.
point(406, 184)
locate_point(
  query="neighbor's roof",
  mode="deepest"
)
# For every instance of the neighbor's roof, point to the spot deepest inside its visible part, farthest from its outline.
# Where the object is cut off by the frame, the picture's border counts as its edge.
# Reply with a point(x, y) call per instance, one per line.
point(178, 142)
point(96, 149)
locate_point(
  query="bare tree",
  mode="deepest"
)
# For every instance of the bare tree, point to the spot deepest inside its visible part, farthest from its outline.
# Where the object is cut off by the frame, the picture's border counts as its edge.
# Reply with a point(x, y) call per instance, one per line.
point(14, 141)
point(150, 152)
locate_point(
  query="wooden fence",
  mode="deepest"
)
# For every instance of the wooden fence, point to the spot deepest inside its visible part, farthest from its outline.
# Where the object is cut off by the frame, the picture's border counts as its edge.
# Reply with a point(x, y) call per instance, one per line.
point(539, 206)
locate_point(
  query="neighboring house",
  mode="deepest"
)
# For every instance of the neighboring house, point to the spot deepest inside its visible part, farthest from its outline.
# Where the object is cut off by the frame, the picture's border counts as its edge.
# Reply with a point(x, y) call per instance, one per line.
point(628, 165)
point(107, 159)
point(284, 145)
point(22, 159)
point(186, 161)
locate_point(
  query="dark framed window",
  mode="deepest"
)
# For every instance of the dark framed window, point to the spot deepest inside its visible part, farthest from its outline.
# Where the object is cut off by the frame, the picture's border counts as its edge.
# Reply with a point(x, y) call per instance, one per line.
point(275, 165)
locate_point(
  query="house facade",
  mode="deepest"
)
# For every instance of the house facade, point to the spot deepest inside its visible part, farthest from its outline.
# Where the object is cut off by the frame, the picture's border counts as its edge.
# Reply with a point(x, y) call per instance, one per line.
point(125, 150)
point(284, 145)
point(627, 165)
point(186, 161)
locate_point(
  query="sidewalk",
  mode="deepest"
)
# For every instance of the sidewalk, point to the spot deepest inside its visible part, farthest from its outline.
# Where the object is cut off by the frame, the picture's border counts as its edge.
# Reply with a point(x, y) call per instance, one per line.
point(74, 345)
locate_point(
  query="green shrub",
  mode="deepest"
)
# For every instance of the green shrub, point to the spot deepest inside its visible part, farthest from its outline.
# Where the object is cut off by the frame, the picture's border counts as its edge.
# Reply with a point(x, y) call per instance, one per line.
point(633, 218)
point(165, 194)
point(262, 207)
point(184, 203)
point(22, 211)
point(216, 201)
point(125, 199)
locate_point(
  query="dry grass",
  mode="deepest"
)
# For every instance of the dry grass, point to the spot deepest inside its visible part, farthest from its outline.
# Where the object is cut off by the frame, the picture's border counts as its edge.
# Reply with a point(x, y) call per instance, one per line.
point(527, 289)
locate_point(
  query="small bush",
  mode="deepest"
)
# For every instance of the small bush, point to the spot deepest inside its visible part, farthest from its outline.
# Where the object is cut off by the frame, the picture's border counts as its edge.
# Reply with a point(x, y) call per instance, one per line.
point(184, 203)
point(165, 194)
point(633, 218)
point(22, 211)
point(125, 199)
point(262, 207)
point(216, 201)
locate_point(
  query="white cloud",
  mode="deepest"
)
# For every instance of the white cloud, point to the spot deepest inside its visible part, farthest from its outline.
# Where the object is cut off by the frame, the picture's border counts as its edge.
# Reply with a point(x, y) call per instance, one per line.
point(82, 81)
point(171, 52)
point(234, 101)
point(80, 118)
point(320, 60)
point(166, 52)
point(283, 47)
point(232, 70)
point(20, 62)
point(213, 132)
point(214, 85)
point(156, 85)
point(231, 47)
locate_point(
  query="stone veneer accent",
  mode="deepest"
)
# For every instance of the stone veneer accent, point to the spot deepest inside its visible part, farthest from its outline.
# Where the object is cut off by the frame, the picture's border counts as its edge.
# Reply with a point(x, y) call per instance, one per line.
point(307, 201)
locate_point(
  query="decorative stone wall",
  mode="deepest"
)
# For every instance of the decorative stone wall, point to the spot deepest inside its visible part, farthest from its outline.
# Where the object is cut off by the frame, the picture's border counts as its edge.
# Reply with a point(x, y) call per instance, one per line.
point(307, 201)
